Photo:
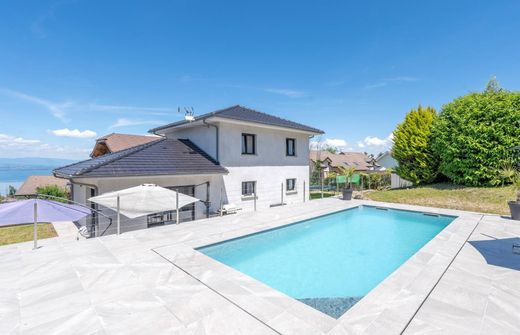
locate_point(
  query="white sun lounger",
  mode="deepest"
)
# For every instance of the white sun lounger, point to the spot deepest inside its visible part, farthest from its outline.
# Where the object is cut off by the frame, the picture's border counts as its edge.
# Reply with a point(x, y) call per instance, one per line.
point(229, 209)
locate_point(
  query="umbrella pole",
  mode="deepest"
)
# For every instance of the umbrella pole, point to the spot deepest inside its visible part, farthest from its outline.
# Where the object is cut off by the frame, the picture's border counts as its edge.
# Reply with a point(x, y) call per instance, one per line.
point(118, 216)
point(35, 225)
point(177, 206)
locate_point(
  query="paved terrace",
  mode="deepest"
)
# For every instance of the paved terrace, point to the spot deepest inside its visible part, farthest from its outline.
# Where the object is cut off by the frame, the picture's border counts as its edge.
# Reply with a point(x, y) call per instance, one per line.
point(464, 281)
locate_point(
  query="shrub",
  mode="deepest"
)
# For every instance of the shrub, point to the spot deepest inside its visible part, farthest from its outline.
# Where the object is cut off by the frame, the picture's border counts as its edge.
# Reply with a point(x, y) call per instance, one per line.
point(412, 146)
point(53, 191)
point(473, 136)
point(379, 180)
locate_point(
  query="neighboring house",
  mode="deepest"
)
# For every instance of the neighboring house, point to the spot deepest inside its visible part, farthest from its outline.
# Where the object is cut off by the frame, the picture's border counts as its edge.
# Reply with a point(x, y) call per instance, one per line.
point(222, 157)
point(116, 142)
point(333, 162)
point(30, 185)
point(385, 160)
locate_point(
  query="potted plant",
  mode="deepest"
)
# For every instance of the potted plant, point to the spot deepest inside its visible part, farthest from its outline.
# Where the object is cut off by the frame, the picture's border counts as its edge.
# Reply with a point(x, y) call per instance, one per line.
point(347, 190)
point(514, 206)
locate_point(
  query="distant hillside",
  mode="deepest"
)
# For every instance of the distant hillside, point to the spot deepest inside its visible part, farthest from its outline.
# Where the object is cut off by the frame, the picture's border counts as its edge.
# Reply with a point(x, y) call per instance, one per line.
point(33, 163)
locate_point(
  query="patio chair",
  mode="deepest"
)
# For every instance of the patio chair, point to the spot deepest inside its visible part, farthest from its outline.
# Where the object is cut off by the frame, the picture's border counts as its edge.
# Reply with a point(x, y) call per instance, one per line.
point(83, 231)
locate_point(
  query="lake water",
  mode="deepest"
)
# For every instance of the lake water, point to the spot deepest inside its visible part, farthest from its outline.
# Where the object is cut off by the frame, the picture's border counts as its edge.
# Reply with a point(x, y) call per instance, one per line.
point(16, 177)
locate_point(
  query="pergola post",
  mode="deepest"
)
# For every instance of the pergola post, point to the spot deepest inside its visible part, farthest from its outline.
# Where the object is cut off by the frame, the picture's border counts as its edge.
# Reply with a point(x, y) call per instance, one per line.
point(118, 215)
point(35, 233)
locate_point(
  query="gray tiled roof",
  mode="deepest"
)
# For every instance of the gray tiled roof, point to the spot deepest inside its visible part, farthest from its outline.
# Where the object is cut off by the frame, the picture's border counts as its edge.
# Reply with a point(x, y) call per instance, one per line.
point(162, 157)
point(241, 113)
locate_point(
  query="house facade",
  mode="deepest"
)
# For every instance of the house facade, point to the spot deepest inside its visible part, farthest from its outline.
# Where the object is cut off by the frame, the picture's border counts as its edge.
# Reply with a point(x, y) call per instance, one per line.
point(232, 156)
point(330, 162)
point(386, 161)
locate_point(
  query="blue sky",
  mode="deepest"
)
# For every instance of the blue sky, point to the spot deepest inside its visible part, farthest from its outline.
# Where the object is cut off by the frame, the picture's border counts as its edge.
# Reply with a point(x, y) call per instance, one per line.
point(351, 68)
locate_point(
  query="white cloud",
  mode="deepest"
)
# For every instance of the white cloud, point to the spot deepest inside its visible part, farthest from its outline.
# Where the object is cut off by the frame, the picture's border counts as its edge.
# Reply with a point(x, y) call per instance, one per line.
point(123, 122)
point(58, 110)
point(76, 133)
point(12, 141)
point(125, 108)
point(376, 85)
point(287, 92)
point(374, 142)
point(401, 79)
point(386, 81)
point(12, 146)
point(329, 142)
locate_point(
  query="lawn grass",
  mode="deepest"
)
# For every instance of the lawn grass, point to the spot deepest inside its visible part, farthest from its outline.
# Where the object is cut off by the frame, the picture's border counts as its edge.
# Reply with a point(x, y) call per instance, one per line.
point(24, 233)
point(444, 195)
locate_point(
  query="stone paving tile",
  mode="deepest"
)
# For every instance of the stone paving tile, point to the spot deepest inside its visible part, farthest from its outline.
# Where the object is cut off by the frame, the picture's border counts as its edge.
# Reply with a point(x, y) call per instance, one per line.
point(475, 297)
point(137, 314)
point(83, 322)
point(126, 284)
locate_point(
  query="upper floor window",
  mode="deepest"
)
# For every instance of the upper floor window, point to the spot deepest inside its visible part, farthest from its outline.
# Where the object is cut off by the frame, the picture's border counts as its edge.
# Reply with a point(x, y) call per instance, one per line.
point(290, 147)
point(248, 188)
point(291, 184)
point(248, 144)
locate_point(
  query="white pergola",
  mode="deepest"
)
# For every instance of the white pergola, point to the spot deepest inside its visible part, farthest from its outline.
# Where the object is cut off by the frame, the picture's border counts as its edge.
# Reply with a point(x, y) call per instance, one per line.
point(143, 200)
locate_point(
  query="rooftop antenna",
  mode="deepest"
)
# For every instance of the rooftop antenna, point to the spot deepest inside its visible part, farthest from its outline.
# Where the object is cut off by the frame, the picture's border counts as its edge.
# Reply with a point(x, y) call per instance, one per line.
point(188, 113)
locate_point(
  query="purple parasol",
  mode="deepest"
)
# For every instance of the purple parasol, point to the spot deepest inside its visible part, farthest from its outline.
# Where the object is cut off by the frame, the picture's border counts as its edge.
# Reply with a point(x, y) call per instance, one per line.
point(39, 210)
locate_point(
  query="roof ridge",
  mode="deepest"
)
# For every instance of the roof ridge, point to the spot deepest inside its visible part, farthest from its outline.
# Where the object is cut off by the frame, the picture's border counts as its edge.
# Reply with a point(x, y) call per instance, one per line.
point(275, 116)
point(284, 123)
point(122, 154)
point(104, 137)
point(270, 115)
point(219, 111)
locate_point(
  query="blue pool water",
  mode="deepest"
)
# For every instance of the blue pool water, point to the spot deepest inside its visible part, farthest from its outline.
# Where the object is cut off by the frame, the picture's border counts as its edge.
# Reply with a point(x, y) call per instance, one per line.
point(331, 262)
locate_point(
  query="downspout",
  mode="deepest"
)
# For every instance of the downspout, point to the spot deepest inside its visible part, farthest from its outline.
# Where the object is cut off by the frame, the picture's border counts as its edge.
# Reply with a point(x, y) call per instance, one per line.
point(216, 138)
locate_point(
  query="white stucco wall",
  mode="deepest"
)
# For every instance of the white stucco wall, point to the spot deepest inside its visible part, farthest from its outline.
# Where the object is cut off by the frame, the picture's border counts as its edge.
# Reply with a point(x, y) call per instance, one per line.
point(270, 147)
point(269, 180)
point(269, 167)
point(387, 161)
point(203, 136)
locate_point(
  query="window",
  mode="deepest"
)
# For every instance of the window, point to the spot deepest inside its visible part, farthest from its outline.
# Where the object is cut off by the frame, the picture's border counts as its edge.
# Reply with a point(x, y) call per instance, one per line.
point(248, 144)
point(248, 188)
point(291, 184)
point(290, 147)
point(186, 213)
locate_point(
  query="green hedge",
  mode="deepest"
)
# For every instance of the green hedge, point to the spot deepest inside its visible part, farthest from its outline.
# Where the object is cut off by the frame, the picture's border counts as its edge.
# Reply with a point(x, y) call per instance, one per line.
point(473, 135)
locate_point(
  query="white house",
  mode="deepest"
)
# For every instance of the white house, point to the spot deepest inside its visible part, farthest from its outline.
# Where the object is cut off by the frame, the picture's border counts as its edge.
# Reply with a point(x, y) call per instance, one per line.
point(385, 160)
point(227, 156)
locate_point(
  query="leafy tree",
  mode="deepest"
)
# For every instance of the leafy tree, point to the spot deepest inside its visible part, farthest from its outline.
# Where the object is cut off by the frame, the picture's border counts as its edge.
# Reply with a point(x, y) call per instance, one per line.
point(347, 172)
point(54, 191)
point(412, 146)
point(493, 86)
point(12, 191)
point(331, 149)
point(474, 134)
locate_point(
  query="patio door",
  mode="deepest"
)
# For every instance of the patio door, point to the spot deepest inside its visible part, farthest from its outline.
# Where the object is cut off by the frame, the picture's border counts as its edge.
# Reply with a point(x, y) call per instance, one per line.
point(186, 213)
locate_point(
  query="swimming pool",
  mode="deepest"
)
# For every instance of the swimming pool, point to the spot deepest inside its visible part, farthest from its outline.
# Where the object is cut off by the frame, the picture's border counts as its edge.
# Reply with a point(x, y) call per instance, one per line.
point(331, 262)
